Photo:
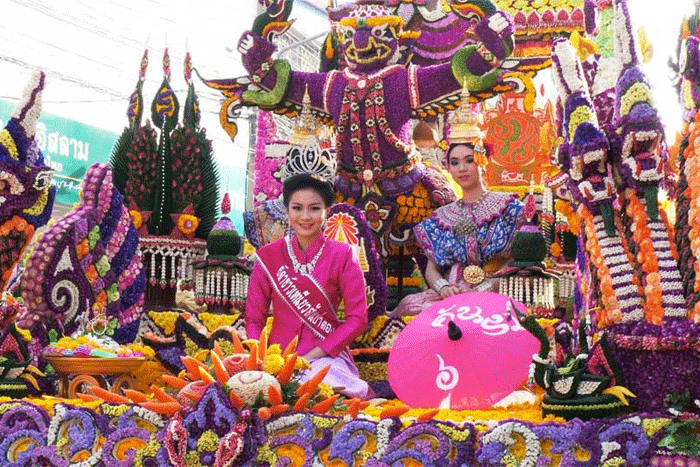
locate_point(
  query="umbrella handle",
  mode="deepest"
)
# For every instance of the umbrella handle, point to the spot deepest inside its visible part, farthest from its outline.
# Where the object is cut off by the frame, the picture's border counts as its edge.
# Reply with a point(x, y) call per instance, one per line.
point(453, 331)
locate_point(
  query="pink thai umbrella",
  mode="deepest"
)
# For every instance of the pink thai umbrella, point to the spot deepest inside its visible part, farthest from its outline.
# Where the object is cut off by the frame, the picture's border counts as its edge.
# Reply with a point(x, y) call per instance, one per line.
point(465, 352)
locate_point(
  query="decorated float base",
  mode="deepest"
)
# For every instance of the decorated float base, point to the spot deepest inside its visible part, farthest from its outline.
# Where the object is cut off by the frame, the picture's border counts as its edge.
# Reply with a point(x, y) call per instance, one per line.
point(61, 432)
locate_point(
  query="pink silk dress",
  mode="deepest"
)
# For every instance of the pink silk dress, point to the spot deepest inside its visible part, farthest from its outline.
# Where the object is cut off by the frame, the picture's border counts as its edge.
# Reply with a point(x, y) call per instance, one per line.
point(338, 273)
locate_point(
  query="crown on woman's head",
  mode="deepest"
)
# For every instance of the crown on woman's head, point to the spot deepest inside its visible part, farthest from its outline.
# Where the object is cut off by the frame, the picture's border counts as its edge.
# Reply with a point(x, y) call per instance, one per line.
point(305, 154)
point(465, 127)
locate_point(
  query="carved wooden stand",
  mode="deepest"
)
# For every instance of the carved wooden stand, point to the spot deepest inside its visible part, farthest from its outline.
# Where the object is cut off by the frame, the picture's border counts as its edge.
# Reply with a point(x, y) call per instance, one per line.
point(78, 373)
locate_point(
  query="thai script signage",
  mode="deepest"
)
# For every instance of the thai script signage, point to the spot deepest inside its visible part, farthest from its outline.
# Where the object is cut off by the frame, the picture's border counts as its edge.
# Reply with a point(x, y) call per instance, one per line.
point(69, 147)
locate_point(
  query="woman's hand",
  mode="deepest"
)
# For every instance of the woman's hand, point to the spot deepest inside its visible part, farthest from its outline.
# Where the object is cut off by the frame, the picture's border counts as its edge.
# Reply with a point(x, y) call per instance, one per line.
point(314, 353)
point(450, 290)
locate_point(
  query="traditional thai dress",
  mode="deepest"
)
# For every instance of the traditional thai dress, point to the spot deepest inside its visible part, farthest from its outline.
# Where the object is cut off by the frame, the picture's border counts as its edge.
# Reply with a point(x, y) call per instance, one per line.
point(462, 234)
point(304, 289)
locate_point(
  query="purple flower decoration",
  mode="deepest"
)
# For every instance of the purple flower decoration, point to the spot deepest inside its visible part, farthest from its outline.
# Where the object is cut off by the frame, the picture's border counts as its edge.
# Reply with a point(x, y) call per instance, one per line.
point(212, 412)
point(112, 447)
point(75, 425)
point(42, 456)
point(23, 417)
point(28, 439)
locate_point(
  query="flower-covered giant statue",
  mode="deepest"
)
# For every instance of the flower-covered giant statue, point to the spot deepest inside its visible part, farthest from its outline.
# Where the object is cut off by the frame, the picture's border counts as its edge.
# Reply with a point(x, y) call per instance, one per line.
point(371, 100)
point(26, 195)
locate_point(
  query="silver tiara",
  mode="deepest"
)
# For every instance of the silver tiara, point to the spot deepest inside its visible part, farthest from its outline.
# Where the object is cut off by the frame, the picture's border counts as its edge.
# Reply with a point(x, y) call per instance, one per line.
point(310, 158)
point(305, 154)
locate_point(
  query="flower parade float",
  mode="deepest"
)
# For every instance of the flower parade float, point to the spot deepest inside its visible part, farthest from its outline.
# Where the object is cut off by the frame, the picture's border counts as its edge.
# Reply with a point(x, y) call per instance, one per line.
point(219, 399)
point(173, 209)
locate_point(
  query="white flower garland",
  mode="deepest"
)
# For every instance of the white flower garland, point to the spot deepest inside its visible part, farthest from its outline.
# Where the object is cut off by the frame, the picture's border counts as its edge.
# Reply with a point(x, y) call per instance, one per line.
point(504, 434)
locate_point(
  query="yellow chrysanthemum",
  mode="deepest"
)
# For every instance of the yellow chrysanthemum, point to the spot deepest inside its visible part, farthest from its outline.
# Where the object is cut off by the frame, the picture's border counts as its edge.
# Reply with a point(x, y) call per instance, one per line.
point(274, 349)
point(249, 342)
point(325, 390)
point(302, 364)
point(273, 363)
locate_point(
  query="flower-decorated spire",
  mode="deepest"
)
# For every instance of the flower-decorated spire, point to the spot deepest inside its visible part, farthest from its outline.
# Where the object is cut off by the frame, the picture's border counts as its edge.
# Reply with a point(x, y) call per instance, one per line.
point(584, 154)
point(643, 153)
point(135, 109)
point(166, 64)
point(191, 115)
point(225, 204)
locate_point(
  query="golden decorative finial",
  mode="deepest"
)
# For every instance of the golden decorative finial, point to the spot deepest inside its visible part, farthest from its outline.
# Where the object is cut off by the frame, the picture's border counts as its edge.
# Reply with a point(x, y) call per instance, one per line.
point(465, 127)
point(307, 125)
point(465, 122)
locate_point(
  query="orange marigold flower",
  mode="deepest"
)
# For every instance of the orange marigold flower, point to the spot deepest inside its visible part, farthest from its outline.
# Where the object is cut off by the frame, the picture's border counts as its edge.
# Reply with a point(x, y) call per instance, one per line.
point(615, 315)
point(654, 279)
point(137, 217)
point(598, 261)
point(648, 267)
point(91, 273)
point(20, 223)
point(574, 225)
point(187, 223)
point(646, 245)
point(657, 319)
point(555, 249)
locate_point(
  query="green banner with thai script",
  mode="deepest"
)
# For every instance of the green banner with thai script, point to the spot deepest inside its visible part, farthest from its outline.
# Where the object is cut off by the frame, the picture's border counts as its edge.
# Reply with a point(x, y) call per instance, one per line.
point(69, 147)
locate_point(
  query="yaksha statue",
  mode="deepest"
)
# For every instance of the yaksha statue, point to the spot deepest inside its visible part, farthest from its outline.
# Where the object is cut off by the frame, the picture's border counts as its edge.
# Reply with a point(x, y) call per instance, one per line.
point(372, 99)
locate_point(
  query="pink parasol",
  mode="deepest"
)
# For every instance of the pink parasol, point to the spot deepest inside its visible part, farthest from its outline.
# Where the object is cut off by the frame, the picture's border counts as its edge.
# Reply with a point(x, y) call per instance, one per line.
point(465, 352)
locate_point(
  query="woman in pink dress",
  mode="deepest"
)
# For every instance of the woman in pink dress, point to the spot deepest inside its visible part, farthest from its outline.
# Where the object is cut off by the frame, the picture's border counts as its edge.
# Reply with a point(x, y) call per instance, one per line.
point(304, 277)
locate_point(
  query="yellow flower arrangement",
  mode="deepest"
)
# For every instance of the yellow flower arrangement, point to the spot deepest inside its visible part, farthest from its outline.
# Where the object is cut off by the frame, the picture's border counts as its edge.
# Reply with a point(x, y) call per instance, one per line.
point(273, 363)
point(530, 412)
point(325, 390)
point(187, 223)
point(8, 142)
point(40, 203)
point(214, 321)
point(150, 372)
point(393, 281)
point(164, 320)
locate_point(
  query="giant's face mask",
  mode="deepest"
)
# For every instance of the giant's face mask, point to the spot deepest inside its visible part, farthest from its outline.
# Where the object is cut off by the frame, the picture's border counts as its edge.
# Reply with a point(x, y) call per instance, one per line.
point(24, 187)
point(372, 43)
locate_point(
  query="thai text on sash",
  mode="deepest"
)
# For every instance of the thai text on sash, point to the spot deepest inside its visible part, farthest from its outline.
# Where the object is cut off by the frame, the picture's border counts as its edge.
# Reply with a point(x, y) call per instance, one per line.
point(311, 313)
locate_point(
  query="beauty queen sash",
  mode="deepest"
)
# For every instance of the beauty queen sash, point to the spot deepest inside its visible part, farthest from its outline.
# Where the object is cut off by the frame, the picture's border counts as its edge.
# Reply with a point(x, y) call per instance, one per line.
point(302, 294)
